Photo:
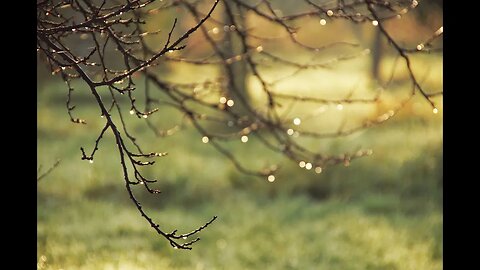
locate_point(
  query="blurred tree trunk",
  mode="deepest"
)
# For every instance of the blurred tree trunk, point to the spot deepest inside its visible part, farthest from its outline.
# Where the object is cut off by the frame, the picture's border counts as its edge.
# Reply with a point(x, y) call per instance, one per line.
point(377, 53)
point(232, 48)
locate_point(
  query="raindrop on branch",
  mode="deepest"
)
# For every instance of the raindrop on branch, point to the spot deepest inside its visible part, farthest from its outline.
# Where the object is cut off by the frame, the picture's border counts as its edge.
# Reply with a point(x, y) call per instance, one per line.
point(308, 166)
point(297, 121)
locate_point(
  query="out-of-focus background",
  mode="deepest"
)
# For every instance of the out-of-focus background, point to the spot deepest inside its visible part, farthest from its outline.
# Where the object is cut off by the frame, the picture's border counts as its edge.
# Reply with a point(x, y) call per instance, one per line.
point(384, 211)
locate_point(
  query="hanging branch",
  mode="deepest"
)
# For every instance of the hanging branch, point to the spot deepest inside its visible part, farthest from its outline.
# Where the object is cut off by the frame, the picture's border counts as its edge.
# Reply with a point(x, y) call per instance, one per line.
point(55, 36)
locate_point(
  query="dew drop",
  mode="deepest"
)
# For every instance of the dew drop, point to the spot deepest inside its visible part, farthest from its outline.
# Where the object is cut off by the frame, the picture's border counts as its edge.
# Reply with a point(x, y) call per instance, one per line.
point(271, 178)
point(145, 116)
point(230, 103)
point(297, 121)
point(375, 23)
point(308, 166)
point(420, 47)
point(223, 100)
point(318, 169)
point(215, 30)
point(323, 22)
point(339, 107)
point(439, 31)
point(259, 48)
point(205, 139)
point(329, 12)
point(132, 111)
point(290, 131)
point(302, 164)
point(91, 161)
point(244, 139)
point(435, 110)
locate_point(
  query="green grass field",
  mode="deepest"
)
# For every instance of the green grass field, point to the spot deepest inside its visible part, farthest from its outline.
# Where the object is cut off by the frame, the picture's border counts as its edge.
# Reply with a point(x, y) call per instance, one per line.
point(382, 212)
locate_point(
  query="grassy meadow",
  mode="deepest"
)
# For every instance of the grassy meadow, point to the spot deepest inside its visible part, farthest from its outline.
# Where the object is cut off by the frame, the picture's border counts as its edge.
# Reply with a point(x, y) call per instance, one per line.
point(384, 211)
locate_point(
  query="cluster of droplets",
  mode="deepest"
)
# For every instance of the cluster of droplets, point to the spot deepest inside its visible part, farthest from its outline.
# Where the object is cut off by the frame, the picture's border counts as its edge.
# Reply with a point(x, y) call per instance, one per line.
point(226, 28)
point(228, 102)
point(308, 166)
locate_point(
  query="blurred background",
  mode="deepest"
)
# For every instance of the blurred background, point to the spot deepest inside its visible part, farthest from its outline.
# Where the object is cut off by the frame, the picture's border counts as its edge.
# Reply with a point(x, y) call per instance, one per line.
point(383, 211)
